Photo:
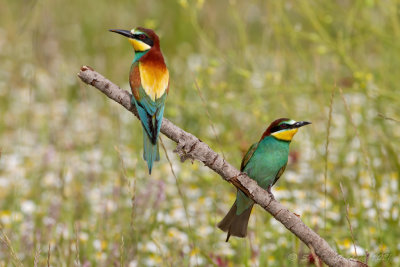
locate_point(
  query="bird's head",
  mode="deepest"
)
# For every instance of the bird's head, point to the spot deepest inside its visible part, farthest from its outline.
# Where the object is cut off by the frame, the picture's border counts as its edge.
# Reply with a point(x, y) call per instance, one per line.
point(284, 129)
point(141, 39)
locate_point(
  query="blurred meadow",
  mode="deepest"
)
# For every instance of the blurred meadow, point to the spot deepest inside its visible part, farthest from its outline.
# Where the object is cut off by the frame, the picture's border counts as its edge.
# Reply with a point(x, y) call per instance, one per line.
point(74, 190)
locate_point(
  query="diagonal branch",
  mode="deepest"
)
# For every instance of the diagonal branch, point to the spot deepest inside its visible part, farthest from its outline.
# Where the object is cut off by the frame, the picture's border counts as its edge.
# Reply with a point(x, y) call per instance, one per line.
point(190, 147)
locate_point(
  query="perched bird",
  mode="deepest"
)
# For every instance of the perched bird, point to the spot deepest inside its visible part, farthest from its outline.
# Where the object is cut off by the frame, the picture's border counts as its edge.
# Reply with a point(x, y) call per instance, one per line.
point(149, 81)
point(264, 162)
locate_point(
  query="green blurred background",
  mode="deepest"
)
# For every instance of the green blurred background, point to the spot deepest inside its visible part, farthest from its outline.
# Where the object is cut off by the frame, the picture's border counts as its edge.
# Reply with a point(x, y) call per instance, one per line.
point(71, 173)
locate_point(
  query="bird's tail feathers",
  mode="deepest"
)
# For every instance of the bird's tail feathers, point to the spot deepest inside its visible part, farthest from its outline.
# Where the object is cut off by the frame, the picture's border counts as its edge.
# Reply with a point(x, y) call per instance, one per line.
point(150, 150)
point(234, 224)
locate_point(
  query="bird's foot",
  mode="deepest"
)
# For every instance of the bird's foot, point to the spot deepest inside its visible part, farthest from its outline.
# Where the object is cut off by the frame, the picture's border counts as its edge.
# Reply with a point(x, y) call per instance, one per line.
point(243, 173)
point(270, 193)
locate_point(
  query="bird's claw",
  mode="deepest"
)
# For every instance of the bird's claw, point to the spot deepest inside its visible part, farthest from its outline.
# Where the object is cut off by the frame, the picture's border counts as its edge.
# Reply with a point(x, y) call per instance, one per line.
point(270, 193)
point(243, 173)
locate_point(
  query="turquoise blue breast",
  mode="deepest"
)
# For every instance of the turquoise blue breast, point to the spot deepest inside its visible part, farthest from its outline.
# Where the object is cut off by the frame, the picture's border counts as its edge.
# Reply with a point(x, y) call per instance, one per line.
point(270, 156)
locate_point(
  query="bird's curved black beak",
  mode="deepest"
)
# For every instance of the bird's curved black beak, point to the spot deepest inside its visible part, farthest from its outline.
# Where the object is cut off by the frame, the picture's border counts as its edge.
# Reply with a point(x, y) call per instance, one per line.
point(122, 32)
point(301, 124)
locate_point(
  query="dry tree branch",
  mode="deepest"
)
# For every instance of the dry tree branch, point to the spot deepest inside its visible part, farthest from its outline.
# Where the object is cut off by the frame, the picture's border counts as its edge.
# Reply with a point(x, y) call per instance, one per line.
point(190, 147)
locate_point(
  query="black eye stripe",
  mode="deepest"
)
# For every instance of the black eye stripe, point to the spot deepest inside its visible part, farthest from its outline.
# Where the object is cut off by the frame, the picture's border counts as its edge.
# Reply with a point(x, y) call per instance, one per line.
point(140, 36)
point(282, 126)
point(144, 38)
point(275, 129)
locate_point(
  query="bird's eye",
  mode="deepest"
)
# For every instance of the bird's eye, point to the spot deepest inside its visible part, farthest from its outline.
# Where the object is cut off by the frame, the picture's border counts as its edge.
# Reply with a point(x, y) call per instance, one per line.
point(142, 36)
point(284, 126)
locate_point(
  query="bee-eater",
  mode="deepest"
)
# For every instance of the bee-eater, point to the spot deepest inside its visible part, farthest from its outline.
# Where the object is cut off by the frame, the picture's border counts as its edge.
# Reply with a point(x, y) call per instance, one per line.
point(149, 81)
point(264, 162)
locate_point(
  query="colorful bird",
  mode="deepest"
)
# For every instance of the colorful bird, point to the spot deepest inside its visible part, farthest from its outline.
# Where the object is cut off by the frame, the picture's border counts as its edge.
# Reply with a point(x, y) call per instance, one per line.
point(264, 162)
point(149, 81)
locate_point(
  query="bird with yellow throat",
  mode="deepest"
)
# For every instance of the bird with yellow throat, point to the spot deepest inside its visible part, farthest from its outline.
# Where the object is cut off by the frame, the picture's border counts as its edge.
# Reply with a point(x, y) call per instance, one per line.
point(149, 81)
point(264, 162)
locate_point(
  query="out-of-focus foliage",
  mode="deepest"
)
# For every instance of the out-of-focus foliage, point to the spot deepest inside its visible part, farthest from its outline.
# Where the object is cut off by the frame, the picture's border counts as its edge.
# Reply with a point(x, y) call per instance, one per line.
point(71, 173)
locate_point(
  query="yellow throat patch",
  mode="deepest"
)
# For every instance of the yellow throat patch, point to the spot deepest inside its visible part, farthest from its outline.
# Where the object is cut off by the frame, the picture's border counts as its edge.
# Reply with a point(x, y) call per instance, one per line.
point(138, 45)
point(154, 80)
point(285, 135)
